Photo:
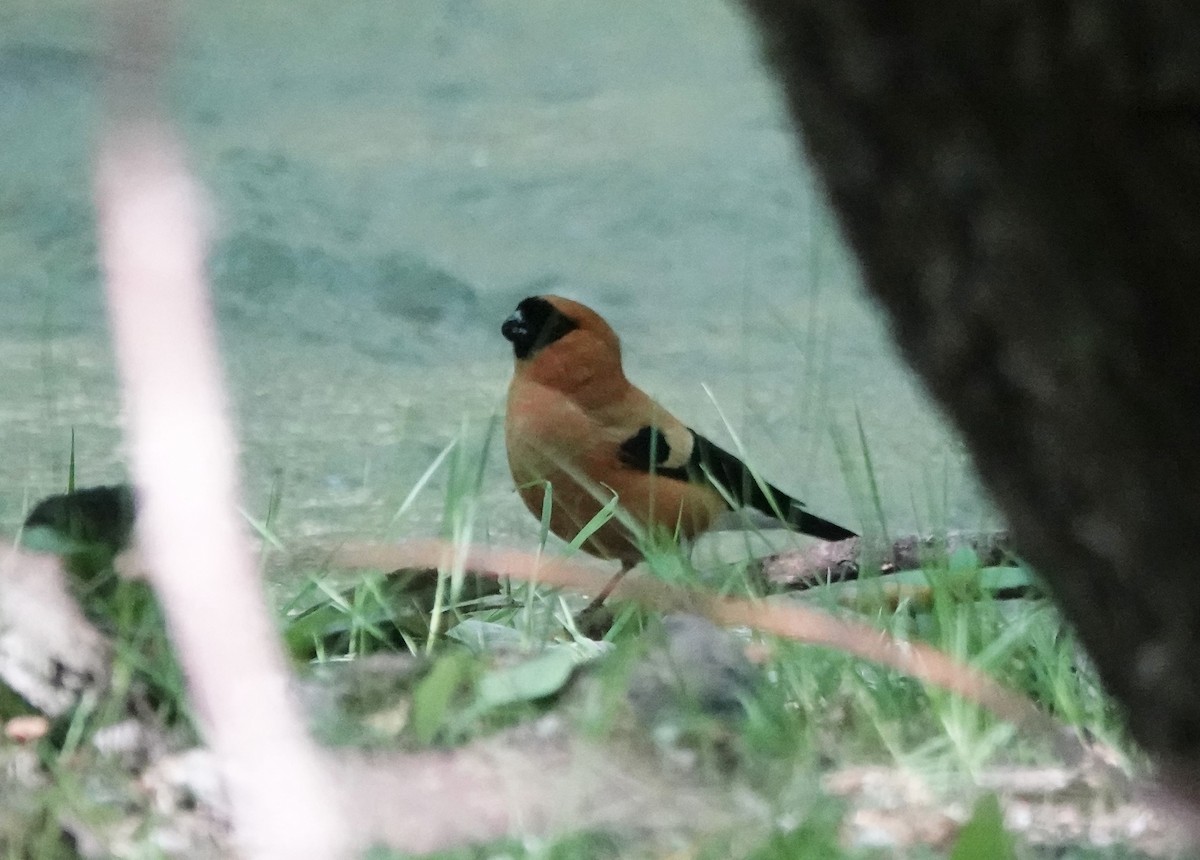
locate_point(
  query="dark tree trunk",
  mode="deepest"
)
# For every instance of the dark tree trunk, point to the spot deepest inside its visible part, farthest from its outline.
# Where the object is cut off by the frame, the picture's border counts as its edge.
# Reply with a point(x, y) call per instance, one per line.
point(1020, 180)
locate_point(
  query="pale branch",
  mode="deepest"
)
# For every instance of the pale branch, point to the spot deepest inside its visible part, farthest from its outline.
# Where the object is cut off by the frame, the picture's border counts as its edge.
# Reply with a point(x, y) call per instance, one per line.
point(183, 461)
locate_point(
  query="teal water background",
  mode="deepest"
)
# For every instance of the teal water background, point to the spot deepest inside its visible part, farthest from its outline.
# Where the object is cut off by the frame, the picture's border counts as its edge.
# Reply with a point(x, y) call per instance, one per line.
point(388, 180)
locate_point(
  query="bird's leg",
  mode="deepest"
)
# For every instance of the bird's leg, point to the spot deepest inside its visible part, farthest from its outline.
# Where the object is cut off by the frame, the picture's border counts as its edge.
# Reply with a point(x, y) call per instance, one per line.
point(599, 599)
point(586, 620)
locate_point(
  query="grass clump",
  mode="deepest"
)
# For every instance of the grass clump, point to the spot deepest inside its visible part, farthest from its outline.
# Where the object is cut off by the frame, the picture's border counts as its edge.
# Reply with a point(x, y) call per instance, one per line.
point(420, 659)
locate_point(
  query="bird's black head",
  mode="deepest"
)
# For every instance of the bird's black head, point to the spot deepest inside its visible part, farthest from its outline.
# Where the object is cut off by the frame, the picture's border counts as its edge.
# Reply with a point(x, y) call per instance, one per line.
point(534, 325)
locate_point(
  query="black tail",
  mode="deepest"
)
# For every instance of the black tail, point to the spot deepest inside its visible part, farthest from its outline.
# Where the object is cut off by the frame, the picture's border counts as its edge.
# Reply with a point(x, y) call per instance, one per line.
point(736, 477)
point(810, 524)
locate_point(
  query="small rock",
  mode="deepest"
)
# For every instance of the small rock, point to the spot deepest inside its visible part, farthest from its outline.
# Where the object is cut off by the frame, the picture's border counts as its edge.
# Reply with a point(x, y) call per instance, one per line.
point(700, 667)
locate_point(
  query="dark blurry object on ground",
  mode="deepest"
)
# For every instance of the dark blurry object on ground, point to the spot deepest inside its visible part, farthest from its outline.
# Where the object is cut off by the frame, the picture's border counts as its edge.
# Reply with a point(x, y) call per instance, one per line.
point(693, 666)
point(89, 529)
point(95, 521)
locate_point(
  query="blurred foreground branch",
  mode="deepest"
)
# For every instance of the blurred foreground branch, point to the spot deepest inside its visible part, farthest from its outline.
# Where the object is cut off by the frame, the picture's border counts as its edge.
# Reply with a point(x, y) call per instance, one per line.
point(183, 461)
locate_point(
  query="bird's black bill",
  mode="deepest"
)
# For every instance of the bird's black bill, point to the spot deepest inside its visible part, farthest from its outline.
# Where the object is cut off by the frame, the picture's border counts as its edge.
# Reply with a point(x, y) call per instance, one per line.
point(534, 325)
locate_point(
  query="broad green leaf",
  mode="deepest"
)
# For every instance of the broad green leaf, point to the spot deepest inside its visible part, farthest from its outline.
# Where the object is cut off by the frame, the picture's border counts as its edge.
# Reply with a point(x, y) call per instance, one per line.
point(990, 579)
point(963, 558)
point(529, 681)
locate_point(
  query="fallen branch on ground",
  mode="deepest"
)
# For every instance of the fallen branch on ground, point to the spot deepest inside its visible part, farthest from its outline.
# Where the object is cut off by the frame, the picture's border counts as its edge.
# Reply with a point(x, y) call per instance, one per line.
point(792, 621)
point(842, 561)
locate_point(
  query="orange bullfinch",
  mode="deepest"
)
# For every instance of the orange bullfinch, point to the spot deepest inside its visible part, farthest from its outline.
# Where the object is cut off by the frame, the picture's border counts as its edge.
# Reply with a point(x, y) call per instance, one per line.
point(578, 430)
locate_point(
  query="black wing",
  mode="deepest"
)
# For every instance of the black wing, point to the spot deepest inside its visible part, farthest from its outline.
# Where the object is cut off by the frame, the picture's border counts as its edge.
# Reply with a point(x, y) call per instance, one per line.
point(649, 451)
point(737, 479)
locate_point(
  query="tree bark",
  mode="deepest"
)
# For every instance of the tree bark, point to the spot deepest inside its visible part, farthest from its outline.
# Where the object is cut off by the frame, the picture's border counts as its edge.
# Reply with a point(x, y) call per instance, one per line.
point(1021, 183)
